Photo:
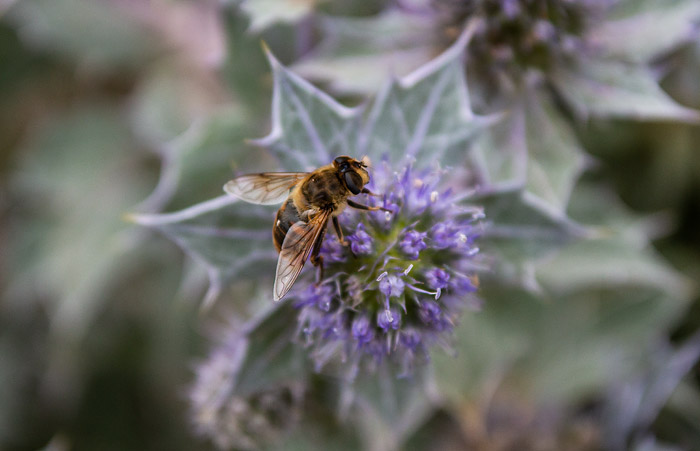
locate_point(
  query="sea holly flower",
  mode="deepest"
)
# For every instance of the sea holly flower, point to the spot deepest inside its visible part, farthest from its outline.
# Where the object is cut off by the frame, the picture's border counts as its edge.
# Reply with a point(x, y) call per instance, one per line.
point(380, 310)
point(403, 279)
point(374, 289)
point(409, 273)
point(233, 410)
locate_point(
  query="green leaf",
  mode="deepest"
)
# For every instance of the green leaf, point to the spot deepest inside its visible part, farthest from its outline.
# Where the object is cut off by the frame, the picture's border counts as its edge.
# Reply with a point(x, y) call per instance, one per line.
point(534, 148)
point(269, 356)
point(78, 174)
point(230, 238)
point(198, 162)
point(358, 54)
point(499, 153)
point(389, 409)
point(520, 227)
point(425, 115)
point(609, 263)
point(614, 89)
point(636, 403)
point(555, 157)
point(101, 37)
point(639, 31)
point(264, 13)
point(309, 128)
point(555, 348)
point(167, 102)
point(580, 339)
point(519, 230)
point(250, 388)
point(486, 347)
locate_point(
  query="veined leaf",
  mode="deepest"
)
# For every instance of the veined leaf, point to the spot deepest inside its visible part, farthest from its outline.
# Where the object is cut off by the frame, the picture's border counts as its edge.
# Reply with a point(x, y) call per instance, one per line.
point(358, 54)
point(641, 30)
point(613, 89)
point(520, 227)
point(552, 346)
point(425, 115)
point(269, 356)
point(230, 238)
point(102, 36)
point(309, 128)
point(198, 162)
point(519, 230)
point(609, 263)
point(389, 409)
point(80, 171)
point(555, 157)
point(264, 13)
point(531, 147)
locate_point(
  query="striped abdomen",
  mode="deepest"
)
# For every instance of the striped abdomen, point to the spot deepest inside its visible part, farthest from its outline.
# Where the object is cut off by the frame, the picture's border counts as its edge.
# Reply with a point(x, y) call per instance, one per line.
point(286, 216)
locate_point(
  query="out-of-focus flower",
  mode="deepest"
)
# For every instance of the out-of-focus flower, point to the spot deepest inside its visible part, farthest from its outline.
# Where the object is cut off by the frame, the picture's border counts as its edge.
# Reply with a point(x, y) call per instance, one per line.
point(402, 289)
point(239, 420)
point(517, 36)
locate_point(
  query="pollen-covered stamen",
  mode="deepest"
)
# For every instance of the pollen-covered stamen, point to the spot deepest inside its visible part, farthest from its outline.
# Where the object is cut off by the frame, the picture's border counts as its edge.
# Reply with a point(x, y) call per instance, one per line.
point(391, 285)
point(435, 293)
point(389, 319)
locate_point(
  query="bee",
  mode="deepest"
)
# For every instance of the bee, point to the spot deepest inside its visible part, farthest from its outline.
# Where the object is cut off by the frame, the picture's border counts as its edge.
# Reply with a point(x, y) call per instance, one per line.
point(309, 199)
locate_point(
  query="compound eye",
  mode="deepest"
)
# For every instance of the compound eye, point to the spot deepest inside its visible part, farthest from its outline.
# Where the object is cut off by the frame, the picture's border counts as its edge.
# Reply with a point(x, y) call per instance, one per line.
point(353, 181)
point(344, 167)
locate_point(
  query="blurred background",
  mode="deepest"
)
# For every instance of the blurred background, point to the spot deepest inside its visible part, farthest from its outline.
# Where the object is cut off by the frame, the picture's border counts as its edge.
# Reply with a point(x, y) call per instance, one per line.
point(115, 106)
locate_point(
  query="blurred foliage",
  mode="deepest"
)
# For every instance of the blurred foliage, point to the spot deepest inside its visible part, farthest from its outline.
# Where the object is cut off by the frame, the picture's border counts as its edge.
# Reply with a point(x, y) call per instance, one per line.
point(114, 107)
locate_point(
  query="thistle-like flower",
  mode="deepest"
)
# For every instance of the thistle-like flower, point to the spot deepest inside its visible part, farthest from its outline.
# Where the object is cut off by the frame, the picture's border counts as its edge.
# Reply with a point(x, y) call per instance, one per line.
point(400, 287)
point(235, 420)
point(518, 35)
point(396, 287)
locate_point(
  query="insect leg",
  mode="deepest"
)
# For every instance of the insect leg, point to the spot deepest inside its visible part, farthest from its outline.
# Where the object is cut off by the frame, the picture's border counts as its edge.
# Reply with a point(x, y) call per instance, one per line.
point(365, 207)
point(366, 191)
point(316, 258)
point(339, 231)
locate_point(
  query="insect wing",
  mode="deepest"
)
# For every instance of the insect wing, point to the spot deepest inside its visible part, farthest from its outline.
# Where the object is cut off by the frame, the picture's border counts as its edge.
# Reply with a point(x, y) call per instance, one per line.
point(266, 188)
point(297, 246)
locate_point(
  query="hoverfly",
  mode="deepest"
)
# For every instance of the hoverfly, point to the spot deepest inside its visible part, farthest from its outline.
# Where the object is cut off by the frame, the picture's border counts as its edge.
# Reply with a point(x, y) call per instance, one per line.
point(310, 200)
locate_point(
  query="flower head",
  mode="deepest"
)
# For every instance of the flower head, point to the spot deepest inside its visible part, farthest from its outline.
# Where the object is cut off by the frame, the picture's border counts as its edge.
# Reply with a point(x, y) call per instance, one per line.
point(229, 419)
point(517, 35)
point(400, 287)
